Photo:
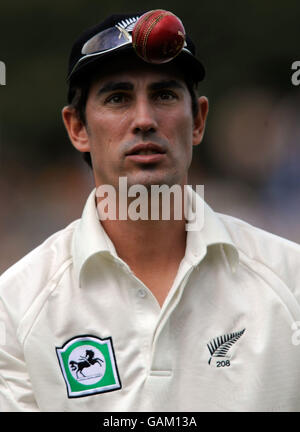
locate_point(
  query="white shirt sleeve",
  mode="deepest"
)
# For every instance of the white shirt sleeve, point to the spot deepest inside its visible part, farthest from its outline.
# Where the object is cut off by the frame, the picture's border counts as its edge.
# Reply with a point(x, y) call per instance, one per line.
point(15, 387)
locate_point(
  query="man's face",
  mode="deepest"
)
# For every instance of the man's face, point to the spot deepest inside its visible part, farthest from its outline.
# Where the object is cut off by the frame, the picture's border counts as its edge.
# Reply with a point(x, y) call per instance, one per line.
point(139, 124)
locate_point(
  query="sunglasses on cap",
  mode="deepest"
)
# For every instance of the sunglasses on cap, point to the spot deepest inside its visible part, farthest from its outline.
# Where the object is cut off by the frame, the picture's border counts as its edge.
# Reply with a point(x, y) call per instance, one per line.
point(109, 40)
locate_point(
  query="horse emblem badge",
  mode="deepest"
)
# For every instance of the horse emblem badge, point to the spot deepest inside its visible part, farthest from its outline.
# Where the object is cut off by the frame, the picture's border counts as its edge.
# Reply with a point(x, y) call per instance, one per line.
point(88, 366)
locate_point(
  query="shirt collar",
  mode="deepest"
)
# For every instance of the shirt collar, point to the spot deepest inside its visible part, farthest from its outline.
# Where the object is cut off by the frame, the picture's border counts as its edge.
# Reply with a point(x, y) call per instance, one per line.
point(208, 230)
point(90, 237)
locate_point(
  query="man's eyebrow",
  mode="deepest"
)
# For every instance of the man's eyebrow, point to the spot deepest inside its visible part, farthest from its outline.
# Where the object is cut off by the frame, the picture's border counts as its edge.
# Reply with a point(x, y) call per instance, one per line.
point(160, 85)
point(112, 86)
point(126, 85)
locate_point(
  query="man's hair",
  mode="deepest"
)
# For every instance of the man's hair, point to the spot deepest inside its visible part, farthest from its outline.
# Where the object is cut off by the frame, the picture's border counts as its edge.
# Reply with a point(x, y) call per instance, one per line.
point(79, 90)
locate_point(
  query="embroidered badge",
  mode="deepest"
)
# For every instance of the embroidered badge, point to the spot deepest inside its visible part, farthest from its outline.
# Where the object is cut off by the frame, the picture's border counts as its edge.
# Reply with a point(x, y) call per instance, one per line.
point(88, 366)
point(220, 346)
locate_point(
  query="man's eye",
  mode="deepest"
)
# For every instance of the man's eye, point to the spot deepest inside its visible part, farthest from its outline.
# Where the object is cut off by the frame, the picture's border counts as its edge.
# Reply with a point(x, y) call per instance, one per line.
point(116, 98)
point(166, 95)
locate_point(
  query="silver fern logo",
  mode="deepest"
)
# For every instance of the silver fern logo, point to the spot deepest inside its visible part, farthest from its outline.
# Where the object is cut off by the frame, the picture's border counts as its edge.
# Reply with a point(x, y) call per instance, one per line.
point(128, 23)
point(220, 346)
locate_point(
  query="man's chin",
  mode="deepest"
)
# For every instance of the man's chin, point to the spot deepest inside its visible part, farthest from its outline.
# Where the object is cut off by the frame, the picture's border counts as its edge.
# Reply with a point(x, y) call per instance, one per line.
point(150, 179)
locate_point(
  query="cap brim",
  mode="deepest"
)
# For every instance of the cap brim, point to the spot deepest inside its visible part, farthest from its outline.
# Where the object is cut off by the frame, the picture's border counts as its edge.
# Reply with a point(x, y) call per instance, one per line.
point(186, 61)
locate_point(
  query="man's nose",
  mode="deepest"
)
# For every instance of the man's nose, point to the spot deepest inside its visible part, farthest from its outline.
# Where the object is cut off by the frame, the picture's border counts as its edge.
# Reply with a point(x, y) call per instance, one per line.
point(144, 118)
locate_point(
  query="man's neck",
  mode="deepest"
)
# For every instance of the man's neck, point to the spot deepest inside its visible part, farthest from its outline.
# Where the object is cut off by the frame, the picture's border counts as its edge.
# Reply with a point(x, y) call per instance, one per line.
point(148, 242)
point(152, 249)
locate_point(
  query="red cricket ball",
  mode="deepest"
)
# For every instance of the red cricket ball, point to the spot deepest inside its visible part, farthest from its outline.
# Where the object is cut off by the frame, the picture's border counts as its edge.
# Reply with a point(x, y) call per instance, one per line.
point(158, 36)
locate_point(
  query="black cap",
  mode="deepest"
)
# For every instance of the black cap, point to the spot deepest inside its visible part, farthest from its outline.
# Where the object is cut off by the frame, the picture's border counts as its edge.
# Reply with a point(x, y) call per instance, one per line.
point(79, 62)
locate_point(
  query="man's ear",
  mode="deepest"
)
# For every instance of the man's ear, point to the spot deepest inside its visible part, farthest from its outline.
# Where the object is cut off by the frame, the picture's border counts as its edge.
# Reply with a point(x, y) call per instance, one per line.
point(200, 120)
point(76, 129)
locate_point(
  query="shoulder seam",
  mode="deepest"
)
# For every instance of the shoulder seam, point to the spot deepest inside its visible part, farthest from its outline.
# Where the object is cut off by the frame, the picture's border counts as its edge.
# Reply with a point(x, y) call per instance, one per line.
point(265, 265)
point(64, 266)
point(290, 291)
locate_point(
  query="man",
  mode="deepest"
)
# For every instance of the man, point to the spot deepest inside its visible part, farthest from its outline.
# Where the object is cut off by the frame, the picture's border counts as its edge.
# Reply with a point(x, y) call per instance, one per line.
point(142, 314)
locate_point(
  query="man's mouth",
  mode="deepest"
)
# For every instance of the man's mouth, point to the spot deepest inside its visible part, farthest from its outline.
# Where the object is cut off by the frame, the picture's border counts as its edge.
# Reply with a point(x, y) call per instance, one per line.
point(145, 149)
point(146, 153)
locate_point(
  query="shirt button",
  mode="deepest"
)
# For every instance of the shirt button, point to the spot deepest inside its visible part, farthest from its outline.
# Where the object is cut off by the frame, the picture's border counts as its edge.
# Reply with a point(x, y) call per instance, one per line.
point(142, 293)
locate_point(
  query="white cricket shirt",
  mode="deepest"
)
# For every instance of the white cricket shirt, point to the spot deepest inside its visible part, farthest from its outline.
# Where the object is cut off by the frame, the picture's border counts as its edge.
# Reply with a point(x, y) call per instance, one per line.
point(79, 332)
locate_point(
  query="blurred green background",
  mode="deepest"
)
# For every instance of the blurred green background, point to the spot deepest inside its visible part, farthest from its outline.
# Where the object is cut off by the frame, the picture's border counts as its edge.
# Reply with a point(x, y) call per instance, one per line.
point(249, 160)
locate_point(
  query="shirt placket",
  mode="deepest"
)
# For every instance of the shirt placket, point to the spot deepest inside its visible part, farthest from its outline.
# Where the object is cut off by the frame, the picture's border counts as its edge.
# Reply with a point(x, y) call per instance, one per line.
point(161, 362)
point(154, 335)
